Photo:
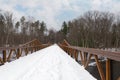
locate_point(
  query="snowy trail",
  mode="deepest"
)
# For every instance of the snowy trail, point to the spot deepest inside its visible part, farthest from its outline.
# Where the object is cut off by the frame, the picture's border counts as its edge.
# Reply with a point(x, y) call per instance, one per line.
point(51, 63)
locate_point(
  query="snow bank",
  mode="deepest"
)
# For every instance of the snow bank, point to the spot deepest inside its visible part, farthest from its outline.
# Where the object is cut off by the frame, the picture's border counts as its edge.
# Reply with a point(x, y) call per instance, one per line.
point(51, 63)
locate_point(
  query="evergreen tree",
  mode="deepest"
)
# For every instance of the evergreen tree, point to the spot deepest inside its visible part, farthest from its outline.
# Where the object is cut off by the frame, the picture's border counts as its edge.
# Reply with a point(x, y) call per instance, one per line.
point(43, 27)
point(64, 28)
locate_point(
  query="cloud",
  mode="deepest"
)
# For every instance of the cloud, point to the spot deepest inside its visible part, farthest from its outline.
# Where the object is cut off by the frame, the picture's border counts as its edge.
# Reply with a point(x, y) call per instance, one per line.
point(46, 10)
point(106, 5)
point(54, 12)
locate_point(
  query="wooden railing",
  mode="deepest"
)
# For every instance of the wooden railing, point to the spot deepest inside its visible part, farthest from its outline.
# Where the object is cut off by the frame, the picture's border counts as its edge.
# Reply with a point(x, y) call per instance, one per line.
point(11, 53)
point(32, 43)
point(87, 53)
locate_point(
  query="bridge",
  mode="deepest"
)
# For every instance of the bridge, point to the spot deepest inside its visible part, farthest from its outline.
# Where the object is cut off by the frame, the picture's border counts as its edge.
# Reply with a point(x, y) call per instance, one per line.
point(85, 55)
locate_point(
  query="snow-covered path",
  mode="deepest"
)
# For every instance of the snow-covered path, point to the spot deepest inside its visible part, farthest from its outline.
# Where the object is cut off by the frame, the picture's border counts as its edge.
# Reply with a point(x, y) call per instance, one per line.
point(51, 63)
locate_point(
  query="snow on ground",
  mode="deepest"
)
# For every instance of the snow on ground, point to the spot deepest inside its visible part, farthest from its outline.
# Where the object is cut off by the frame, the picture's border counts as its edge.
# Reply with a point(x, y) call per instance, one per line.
point(51, 63)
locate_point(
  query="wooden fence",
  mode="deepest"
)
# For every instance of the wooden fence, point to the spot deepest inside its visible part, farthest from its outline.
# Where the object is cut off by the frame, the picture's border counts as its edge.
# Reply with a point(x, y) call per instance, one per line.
point(87, 53)
point(9, 53)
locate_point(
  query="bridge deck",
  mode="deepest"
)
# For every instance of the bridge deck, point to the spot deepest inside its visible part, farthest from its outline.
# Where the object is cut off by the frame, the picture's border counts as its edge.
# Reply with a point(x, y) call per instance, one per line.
point(85, 55)
point(51, 63)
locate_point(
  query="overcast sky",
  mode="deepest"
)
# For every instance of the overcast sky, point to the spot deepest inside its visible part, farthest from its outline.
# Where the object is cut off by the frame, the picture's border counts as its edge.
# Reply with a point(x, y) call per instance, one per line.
point(54, 12)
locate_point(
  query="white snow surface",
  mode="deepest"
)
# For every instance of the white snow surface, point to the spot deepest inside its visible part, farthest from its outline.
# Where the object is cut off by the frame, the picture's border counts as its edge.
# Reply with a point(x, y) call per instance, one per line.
point(50, 63)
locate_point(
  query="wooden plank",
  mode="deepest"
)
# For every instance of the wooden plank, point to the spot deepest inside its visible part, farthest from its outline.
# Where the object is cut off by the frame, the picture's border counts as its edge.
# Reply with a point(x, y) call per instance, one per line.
point(1, 60)
point(69, 52)
point(81, 56)
point(26, 51)
point(9, 56)
point(22, 47)
point(88, 60)
point(99, 67)
point(31, 50)
point(108, 70)
point(108, 54)
point(111, 55)
point(18, 53)
point(21, 51)
point(72, 53)
point(4, 56)
point(85, 58)
point(65, 43)
point(76, 55)
point(32, 43)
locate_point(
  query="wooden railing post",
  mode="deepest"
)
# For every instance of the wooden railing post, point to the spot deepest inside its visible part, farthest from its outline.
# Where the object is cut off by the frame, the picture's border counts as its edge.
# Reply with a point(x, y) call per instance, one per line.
point(108, 70)
point(4, 56)
point(70, 51)
point(18, 53)
point(76, 55)
point(1, 61)
point(87, 53)
point(31, 49)
point(8, 58)
point(81, 56)
point(88, 60)
point(99, 66)
point(85, 58)
point(26, 51)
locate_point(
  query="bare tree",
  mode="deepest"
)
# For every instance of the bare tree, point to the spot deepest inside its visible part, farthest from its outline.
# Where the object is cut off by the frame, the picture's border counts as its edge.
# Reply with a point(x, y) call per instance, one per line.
point(8, 25)
point(93, 29)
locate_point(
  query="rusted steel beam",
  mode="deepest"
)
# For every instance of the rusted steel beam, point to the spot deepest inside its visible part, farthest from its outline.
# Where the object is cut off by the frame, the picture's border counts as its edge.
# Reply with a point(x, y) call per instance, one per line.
point(108, 70)
point(99, 67)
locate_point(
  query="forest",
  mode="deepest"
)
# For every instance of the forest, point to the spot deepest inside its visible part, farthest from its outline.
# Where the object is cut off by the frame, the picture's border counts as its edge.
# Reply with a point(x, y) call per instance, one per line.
point(94, 29)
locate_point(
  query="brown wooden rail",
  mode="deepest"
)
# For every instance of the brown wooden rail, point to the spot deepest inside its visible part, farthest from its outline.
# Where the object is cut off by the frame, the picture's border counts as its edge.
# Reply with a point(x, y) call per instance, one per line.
point(32, 43)
point(111, 55)
point(87, 53)
point(7, 53)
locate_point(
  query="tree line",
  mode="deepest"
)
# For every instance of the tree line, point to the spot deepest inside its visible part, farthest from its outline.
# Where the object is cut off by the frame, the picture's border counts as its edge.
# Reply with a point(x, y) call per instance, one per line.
point(13, 33)
point(93, 29)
